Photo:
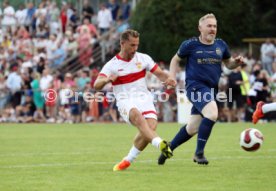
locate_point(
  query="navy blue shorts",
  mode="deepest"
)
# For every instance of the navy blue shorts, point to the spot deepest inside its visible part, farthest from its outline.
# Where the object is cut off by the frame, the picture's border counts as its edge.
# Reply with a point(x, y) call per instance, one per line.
point(200, 95)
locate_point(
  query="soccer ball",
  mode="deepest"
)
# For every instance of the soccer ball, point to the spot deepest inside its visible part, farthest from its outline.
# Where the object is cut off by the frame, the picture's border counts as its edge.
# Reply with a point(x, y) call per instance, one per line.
point(251, 139)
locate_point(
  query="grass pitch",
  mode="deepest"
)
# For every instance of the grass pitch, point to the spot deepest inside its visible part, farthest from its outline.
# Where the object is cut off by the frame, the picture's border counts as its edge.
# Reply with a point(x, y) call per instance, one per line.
point(81, 157)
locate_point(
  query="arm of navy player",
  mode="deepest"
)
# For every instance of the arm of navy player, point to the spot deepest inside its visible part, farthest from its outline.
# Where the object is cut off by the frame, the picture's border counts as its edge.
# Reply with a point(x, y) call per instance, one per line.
point(233, 63)
point(173, 66)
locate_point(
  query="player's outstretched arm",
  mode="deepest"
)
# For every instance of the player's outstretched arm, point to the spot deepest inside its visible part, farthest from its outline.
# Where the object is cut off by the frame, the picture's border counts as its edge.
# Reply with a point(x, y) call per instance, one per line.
point(173, 66)
point(233, 63)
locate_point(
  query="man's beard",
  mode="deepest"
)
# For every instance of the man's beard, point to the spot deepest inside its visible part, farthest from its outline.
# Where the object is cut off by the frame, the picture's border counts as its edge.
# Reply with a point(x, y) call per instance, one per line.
point(210, 37)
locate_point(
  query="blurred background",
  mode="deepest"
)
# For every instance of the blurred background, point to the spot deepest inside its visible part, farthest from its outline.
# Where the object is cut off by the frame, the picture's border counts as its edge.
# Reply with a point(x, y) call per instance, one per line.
point(63, 45)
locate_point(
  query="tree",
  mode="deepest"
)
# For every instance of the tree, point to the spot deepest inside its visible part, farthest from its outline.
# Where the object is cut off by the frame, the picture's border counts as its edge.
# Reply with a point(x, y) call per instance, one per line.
point(164, 24)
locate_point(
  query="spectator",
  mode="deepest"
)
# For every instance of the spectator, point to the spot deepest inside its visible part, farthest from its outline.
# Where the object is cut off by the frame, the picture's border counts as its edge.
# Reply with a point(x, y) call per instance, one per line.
point(87, 11)
point(125, 10)
point(14, 84)
point(21, 15)
point(92, 28)
point(82, 80)
point(63, 18)
point(45, 80)
point(63, 115)
point(104, 19)
point(73, 20)
point(24, 114)
point(53, 14)
point(260, 86)
point(51, 105)
point(37, 94)
point(4, 94)
point(75, 107)
point(39, 116)
point(114, 7)
point(8, 17)
point(236, 103)
point(69, 80)
point(59, 56)
point(30, 19)
point(85, 49)
point(267, 52)
point(72, 46)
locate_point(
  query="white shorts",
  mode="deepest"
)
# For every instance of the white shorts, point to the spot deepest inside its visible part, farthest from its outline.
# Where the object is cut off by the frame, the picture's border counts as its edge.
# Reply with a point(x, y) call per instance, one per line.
point(146, 108)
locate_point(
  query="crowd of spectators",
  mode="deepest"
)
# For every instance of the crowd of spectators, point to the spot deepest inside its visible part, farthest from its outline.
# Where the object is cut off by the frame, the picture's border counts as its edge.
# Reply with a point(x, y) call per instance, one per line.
point(36, 41)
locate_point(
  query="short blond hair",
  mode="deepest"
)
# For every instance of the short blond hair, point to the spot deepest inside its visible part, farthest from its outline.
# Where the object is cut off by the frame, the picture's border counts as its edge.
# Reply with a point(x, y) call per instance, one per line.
point(207, 16)
point(129, 32)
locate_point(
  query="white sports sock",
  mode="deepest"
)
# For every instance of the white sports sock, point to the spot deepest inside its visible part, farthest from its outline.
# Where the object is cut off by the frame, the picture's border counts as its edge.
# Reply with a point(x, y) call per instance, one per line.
point(269, 107)
point(156, 141)
point(132, 155)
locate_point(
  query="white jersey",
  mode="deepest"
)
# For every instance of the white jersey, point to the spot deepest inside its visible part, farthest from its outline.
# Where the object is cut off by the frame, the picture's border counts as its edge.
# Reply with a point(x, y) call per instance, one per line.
point(130, 88)
point(130, 75)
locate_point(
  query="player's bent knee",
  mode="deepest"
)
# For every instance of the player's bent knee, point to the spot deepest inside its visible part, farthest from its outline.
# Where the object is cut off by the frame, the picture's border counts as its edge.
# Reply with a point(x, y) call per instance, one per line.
point(212, 116)
point(192, 130)
point(210, 111)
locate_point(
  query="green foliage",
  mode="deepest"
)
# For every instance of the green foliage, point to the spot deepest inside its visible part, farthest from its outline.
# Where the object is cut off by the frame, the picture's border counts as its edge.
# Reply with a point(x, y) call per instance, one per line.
point(165, 24)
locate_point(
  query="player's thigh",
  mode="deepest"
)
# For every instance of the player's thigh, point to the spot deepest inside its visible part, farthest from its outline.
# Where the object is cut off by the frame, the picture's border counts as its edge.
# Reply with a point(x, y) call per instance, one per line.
point(125, 107)
point(200, 96)
point(193, 124)
point(210, 111)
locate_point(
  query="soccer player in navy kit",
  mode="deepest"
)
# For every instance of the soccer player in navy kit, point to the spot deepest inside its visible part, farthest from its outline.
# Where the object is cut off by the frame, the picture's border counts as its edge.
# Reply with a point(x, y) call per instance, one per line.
point(204, 55)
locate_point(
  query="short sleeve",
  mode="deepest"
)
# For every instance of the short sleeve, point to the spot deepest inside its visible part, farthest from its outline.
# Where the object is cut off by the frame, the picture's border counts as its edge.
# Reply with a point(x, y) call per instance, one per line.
point(226, 53)
point(151, 65)
point(184, 49)
point(106, 70)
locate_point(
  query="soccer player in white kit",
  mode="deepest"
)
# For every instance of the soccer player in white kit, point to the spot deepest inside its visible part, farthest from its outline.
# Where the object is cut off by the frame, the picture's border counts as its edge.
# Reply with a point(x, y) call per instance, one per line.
point(126, 71)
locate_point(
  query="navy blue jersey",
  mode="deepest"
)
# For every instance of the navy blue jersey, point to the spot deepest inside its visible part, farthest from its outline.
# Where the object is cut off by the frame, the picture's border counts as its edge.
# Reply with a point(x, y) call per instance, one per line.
point(203, 61)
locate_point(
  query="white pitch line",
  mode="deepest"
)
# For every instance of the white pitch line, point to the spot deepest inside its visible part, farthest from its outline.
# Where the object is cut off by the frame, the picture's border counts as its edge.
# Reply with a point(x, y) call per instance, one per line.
point(93, 152)
point(139, 161)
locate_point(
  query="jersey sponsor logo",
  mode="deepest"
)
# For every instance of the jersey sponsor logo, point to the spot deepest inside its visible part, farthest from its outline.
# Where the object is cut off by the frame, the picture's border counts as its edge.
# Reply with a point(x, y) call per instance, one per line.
point(218, 51)
point(120, 70)
point(208, 61)
point(199, 52)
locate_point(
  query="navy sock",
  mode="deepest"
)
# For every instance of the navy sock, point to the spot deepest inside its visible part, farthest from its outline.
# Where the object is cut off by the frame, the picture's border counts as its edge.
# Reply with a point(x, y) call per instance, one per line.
point(181, 137)
point(204, 132)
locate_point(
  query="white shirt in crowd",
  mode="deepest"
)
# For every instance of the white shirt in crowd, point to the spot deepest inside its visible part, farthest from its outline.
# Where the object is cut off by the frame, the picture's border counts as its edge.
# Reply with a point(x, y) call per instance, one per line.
point(267, 50)
point(45, 82)
point(14, 82)
point(20, 16)
point(8, 18)
point(104, 18)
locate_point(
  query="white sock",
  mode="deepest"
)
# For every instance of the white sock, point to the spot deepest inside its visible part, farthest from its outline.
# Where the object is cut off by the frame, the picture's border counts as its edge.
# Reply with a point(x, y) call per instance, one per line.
point(132, 155)
point(156, 141)
point(269, 107)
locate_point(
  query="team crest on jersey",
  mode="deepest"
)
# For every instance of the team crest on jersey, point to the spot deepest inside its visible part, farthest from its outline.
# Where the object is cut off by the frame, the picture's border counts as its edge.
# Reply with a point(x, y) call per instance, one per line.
point(139, 65)
point(218, 51)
